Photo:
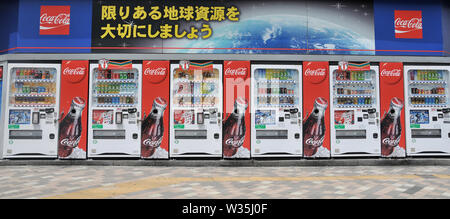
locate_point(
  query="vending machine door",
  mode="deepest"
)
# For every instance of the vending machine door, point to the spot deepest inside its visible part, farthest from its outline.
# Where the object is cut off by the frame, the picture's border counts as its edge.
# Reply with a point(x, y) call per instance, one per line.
point(355, 112)
point(427, 110)
point(277, 116)
point(114, 112)
point(32, 112)
point(196, 111)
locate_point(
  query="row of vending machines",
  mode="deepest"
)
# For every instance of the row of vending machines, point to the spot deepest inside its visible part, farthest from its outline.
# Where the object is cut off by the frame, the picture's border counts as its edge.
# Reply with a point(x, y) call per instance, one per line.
point(232, 109)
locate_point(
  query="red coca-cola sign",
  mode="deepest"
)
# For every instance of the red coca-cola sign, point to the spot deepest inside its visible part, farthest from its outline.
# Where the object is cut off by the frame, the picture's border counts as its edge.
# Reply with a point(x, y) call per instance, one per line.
point(155, 72)
point(391, 72)
point(315, 72)
point(74, 71)
point(236, 70)
point(54, 20)
point(408, 24)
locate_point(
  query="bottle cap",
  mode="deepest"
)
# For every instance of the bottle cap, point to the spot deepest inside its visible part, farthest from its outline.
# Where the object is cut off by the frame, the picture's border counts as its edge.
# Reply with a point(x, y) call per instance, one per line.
point(160, 103)
point(321, 102)
point(78, 102)
point(241, 102)
point(395, 102)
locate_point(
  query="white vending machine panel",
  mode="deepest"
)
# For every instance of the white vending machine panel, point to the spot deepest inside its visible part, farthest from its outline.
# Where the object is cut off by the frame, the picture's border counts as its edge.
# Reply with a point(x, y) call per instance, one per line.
point(114, 112)
point(427, 110)
point(277, 113)
point(355, 113)
point(31, 114)
point(196, 112)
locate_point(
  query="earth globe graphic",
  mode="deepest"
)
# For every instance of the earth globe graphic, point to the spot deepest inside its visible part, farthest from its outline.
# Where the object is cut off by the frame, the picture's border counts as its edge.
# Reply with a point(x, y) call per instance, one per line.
point(294, 34)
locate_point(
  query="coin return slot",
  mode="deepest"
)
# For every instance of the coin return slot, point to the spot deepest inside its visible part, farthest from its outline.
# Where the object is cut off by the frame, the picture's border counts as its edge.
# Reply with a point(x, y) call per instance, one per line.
point(118, 118)
point(35, 119)
point(200, 118)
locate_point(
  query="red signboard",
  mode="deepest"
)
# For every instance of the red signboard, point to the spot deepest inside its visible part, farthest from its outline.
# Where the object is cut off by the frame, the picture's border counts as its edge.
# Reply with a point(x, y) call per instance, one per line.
point(74, 106)
point(392, 110)
point(155, 108)
point(54, 20)
point(316, 97)
point(408, 24)
point(236, 94)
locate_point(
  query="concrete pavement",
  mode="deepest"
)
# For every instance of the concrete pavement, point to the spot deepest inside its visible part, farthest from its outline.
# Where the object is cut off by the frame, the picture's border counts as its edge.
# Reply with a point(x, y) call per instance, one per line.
point(73, 181)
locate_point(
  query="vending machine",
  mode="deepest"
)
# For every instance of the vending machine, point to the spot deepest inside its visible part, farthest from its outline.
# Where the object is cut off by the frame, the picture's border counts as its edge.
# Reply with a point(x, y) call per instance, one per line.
point(155, 110)
point(114, 109)
point(355, 110)
point(72, 137)
point(427, 110)
point(32, 111)
point(277, 110)
point(196, 109)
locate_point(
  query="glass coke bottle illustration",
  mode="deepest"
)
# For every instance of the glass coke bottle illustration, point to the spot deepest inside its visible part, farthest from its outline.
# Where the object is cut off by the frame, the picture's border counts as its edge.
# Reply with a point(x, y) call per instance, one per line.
point(314, 128)
point(70, 128)
point(153, 128)
point(234, 128)
point(391, 128)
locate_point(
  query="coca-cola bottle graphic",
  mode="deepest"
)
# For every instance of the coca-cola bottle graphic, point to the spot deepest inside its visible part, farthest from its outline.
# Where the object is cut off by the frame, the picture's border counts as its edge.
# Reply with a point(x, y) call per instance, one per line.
point(314, 128)
point(153, 128)
point(391, 129)
point(234, 128)
point(70, 128)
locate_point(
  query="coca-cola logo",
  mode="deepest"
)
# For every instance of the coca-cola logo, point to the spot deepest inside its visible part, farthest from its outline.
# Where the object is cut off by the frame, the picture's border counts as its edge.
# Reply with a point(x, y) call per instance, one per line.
point(70, 143)
point(155, 72)
point(315, 72)
point(152, 143)
point(391, 73)
point(235, 143)
point(54, 20)
point(236, 71)
point(408, 24)
point(391, 142)
point(57, 20)
point(74, 71)
point(315, 143)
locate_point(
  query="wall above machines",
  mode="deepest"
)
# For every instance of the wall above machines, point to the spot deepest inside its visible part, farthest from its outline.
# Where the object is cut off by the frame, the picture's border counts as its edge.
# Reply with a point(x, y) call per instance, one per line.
point(370, 27)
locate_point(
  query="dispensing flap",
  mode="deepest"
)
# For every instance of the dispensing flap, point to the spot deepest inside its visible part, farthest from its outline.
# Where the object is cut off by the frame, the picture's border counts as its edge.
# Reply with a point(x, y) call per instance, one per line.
point(426, 133)
point(190, 134)
point(351, 134)
point(25, 134)
point(109, 134)
point(271, 134)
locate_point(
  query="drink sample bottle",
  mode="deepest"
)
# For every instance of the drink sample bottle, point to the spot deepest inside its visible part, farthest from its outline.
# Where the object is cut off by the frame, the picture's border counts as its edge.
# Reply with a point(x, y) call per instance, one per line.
point(391, 128)
point(234, 128)
point(70, 128)
point(153, 128)
point(314, 128)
